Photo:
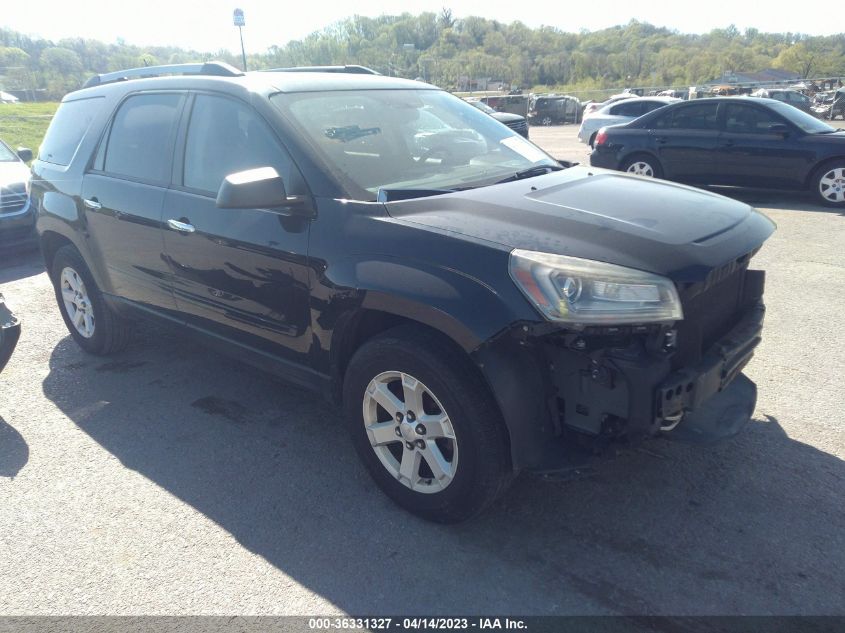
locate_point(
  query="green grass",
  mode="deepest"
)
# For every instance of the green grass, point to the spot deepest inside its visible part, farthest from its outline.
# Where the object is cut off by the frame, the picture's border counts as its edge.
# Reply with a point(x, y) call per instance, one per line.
point(24, 124)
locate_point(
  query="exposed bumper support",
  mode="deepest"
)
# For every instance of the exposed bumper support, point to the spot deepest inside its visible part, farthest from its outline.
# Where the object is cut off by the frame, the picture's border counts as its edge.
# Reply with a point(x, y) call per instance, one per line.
point(564, 401)
point(722, 416)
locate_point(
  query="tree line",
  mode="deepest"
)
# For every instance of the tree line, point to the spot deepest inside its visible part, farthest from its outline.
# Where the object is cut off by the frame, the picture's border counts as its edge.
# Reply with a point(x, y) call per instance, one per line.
point(443, 49)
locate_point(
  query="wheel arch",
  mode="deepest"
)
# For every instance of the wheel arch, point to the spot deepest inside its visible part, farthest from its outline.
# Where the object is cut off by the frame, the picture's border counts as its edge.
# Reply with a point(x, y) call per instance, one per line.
point(51, 242)
point(379, 313)
point(811, 174)
point(644, 153)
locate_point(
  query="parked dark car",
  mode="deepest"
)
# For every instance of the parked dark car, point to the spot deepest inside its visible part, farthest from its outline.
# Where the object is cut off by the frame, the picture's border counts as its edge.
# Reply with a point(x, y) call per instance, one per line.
point(730, 141)
point(10, 331)
point(517, 123)
point(790, 97)
point(17, 221)
point(551, 110)
point(476, 308)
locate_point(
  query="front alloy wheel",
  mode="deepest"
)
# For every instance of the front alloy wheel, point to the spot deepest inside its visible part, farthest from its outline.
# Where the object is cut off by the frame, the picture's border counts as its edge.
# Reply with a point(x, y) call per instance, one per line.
point(831, 185)
point(425, 424)
point(410, 432)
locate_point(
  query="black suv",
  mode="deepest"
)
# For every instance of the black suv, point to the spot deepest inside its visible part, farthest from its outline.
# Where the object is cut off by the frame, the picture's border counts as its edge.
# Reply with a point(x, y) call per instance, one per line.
point(476, 308)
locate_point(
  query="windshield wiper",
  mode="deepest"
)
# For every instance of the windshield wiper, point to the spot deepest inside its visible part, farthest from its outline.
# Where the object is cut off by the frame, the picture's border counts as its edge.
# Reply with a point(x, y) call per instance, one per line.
point(391, 195)
point(531, 172)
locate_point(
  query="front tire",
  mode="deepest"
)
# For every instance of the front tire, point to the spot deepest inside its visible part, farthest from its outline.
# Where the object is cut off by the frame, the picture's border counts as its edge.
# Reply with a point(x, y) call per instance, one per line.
point(828, 184)
point(642, 165)
point(425, 425)
point(95, 327)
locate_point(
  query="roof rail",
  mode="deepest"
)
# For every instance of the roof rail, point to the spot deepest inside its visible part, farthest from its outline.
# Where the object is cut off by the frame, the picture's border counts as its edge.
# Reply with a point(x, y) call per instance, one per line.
point(353, 69)
point(218, 69)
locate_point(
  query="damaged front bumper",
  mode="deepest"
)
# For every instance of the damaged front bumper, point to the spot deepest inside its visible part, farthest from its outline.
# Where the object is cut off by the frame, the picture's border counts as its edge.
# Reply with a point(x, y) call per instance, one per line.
point(712, 400)
point(567, 397)
point(10, 331)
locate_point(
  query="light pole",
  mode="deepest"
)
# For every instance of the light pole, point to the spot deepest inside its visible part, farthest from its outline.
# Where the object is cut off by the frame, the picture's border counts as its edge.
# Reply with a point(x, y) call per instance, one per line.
point(238, 18)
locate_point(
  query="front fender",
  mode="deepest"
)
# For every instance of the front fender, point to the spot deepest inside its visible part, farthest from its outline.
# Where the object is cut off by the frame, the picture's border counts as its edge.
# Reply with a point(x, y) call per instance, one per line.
point(466, 309)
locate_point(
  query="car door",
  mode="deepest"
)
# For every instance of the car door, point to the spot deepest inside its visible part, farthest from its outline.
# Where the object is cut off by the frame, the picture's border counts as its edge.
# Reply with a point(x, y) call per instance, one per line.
point(754, 153)
point(685, 141)
point(123, 194)
point(241, 274)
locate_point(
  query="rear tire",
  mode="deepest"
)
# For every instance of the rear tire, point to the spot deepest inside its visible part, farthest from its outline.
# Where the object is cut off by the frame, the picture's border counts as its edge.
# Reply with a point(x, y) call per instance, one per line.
point(95, 327)
point(460, 472)
point(828, 184)
point(643, 165)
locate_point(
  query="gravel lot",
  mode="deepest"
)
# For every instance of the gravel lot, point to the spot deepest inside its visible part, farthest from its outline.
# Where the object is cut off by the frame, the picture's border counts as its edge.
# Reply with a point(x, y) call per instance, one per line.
point(171, 480)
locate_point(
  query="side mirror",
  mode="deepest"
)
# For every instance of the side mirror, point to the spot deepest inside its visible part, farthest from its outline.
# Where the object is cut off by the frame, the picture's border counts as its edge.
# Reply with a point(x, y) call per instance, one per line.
point(781, 129)
point(260, 188)
point(25, 154)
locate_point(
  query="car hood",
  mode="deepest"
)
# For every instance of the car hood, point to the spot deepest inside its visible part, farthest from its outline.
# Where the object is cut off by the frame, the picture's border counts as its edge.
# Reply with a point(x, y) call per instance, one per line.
point(608, 216)
point(506, 117)
point(13, 172)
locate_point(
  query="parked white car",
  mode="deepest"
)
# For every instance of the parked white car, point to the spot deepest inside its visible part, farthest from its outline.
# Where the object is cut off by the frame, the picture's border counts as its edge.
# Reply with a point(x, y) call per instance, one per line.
point(619, 112)
point(591, 107)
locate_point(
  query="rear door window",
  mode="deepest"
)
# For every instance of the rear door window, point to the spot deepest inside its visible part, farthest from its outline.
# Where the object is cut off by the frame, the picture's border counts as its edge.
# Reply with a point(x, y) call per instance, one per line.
point(648, 106)
point(67, 129)
point(692, 117)
point(140, 144)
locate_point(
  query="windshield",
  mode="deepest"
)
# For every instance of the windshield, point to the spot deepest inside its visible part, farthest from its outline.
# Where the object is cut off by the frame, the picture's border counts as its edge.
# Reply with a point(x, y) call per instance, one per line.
point(407, 139)
point(806, 122)
point(482, 106)
point(6, 154)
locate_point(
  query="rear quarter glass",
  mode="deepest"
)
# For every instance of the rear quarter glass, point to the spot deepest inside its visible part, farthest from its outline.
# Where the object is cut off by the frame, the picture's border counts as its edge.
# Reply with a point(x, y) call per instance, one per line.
point(67, 129)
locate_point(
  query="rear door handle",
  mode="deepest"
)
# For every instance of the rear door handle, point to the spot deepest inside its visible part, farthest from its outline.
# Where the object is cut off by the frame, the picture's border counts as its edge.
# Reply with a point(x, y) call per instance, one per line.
point(661, 140)
point(92, 203)
point(182, 227)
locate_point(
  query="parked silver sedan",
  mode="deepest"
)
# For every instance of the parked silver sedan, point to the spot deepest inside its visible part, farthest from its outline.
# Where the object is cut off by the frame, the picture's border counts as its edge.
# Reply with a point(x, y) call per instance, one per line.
point(619, 112)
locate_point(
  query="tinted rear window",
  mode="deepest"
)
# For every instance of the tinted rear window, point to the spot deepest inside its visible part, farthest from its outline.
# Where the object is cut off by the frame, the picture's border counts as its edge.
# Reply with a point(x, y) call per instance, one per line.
point(701, 116)
point(140, 143)
point(72, 120)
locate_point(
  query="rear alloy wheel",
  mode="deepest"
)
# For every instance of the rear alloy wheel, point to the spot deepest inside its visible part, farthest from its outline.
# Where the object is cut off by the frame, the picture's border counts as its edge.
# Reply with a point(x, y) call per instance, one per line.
point(425, 425)
point(91, 322)
point(830, 184)
point(642, 165)
point(546, 120)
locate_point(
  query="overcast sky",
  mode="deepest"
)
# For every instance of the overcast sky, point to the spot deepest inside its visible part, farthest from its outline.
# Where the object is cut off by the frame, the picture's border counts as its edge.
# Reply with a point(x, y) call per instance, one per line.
point(206, 25)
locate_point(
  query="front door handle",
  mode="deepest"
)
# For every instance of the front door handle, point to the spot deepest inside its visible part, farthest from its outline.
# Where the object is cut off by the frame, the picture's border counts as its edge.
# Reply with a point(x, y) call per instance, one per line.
point(92, 203)
point(661, 140)
point(182, 227)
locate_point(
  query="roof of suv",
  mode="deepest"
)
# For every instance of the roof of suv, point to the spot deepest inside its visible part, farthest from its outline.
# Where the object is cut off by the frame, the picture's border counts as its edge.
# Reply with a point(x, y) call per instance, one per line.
point(258, 81)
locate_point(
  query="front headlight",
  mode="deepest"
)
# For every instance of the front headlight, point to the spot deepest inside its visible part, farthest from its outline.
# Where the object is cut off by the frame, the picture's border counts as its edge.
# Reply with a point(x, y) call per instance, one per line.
point(586, 292)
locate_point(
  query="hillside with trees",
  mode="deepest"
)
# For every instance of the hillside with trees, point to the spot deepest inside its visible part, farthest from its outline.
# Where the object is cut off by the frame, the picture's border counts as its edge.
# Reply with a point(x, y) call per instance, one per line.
point(443, 49)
